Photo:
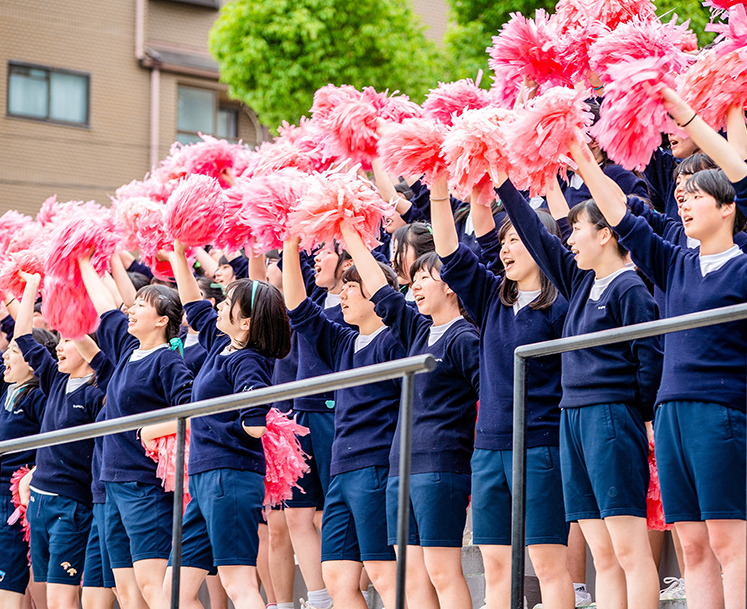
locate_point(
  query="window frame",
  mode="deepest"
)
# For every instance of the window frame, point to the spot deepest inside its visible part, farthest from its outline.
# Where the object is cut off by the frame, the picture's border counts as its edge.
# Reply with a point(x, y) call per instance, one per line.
point(218, 105)
point(49, 70)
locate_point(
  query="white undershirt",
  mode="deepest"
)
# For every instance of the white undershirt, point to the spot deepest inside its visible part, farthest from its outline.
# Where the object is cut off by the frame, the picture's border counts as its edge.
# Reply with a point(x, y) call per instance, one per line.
point(139, 354)
point(438, 331)
point(693, 243)
point(469, 225)
point(409, 296)
point(331, 300)
point(713, 262)
point(10, 396)
point(191, 339)
point(524, 299)
point(600, 285)
point(363, 340)
point(75, 384)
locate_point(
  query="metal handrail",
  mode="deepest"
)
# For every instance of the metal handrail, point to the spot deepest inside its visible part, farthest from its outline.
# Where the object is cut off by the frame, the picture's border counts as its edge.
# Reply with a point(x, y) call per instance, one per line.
point(563, 345)
point(402, 368)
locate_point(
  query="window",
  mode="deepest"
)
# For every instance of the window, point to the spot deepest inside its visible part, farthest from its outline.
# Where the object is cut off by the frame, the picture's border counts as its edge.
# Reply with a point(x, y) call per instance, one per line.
point(200, 112)
point(47, 94)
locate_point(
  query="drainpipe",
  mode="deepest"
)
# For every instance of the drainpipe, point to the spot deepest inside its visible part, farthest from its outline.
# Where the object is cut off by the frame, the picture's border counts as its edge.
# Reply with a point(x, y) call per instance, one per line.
point(140, 29)
point(155, 114)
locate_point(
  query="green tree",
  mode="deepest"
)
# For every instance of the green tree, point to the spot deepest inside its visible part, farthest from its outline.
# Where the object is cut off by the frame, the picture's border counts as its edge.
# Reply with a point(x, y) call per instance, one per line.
point(274, 54)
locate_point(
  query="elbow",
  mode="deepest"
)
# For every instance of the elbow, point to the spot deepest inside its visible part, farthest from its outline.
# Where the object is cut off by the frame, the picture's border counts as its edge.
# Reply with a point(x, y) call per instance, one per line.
point(255, 431)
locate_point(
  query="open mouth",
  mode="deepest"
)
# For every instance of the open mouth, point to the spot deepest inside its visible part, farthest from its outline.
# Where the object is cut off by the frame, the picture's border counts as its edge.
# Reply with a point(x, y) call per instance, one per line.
point(419, 298)
point(508, 263)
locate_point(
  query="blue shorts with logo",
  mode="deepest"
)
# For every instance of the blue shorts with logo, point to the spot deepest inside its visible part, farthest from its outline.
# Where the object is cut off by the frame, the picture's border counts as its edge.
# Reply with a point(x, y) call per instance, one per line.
point(492, 483)
point(144, 513)
point(438, 509)
point(97, 572)
point(700, 454)
point(221, 520)
point(318, 445)
point(59, 535)
point(354, 522)
point(14, 561)
point(604, 460)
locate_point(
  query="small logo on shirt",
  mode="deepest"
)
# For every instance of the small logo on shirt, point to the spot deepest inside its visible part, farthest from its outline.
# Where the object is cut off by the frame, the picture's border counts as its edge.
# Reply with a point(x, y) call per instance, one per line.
point(601, 307)
point(439, 360)
point(19, 411)
point(79, 406)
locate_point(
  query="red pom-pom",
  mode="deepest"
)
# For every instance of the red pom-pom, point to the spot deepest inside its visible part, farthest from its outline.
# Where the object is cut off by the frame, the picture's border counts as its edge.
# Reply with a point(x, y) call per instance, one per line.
point(639, 39)
point(632, 114)
point(194, 212)
point(719, 7)
point(335, 200)
point(453, 98)
point(163, 451)
point(19, 515)
point(654, 508)
point(569, 13)
point(267, 202)
point(10, 223)
point(68, 310)
point(209, 157)
point(413, 148)
point(474, 147)
point(531, 48)
point(538, 136)
point(285, 459)
point(28, 261)
point(715, 83)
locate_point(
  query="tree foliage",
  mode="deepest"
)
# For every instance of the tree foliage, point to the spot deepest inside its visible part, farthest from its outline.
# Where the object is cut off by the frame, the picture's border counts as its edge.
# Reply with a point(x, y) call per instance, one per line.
point(274, 54)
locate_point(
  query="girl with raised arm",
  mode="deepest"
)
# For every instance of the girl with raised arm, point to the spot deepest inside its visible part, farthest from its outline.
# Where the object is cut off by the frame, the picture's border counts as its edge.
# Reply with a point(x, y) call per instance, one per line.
point(608, 394)
point(148, 375)
point(522, 307)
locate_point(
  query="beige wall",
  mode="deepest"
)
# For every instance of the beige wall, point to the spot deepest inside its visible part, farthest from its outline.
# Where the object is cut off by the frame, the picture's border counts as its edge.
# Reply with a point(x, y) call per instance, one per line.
point(434, 15)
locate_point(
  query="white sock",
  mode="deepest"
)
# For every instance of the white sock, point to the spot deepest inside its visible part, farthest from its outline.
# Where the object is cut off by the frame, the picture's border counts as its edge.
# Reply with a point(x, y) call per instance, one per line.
point(579, 587)
point(272, 606)
point(285, 605)
point(365, 595)
point(320, 598)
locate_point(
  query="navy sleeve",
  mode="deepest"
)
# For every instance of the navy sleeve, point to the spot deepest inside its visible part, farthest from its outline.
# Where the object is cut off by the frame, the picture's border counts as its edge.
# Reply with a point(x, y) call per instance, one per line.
point(7, 326)
point(490, 247)
point(41, 360)
point(659, 174)
point(404, 321)
point(650, 252)
point(740, 188)
point(629, 182)
point(114, 339)
point(662, 224)
point(202, 317)
point(36, 403)
point(176, 379)
point(240, 266)
point(471, 281)
point(103, 368)
point(249, 374)
point(548, 251)
point(464, 351)
point(327, 338)
point(565, 230)
point(139, 267)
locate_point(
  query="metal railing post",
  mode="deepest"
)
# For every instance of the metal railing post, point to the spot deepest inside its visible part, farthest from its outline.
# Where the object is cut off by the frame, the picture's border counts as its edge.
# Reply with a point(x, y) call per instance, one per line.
point(519, 482)
point(176, 531)
point(403, 498)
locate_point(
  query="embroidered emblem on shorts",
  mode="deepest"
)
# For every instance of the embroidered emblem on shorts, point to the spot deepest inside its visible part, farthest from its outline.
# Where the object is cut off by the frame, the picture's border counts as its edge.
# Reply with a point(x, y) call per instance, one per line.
point(69, 568)
point(612, 492)
point(2, 575)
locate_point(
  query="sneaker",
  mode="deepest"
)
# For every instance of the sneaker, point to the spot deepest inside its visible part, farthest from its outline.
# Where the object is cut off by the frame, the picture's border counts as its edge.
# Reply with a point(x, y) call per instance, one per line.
point(308, 605)
point(583, 598)
point(675, 590)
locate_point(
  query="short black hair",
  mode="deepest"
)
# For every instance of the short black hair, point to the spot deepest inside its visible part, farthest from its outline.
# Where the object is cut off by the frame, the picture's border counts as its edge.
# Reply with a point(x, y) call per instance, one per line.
point(269, 331)
point(351, 275)
point(714, 182)
point(46, 339)
point(138, 279)
point(417, 235)
point(590, 209)
point(211, 289)
point(694, 163)
point(166, 302)
point(428, 262)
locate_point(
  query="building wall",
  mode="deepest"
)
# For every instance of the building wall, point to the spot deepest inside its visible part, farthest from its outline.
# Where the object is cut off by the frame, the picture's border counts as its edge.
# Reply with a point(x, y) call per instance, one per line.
point(434, 15)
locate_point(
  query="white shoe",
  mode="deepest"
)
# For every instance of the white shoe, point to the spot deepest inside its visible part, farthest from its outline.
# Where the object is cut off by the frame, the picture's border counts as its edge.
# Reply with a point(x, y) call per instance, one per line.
point(583, 598)
point(675, 590)
point(308, 605)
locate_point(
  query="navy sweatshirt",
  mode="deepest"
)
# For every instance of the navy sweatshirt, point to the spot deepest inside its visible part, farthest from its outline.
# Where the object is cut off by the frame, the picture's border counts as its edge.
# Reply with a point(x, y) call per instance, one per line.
point(740, 189)
point(626, 373)
point(500, 333)
point(64, 469)
point(159, 380)
point(365, 416)
point(218, 440)
point(630, 184)
point(284, 371)
point(23, 419)
point(445, 402)
point(702, 364)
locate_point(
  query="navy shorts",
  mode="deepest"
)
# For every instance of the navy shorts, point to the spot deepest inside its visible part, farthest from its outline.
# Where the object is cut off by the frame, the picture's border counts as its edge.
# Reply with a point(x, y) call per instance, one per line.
point(354, 523)
point(604, 460)
point(14, 561)
point(491, 497)
point(59, 534)
point(97, 572)
point(220, 524)
point(318, 445)
point(438, 509)
point(700, 453)
point(144, 513)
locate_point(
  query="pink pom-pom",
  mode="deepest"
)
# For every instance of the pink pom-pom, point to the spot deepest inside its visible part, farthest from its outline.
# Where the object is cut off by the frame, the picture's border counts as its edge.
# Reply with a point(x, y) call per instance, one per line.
point(127, 215)
point(632, 114)
point(335, 200)
point(639, 39)
point(285, 459)
point(569, 13)
point(267, 202)
point(732, 35)
point(28, 261)
point(507, 83)
point(328, 97)
point(397, 108)
point(10, 223)
point(211, 157)
point(236, 232)
point(719, 7)
point(715, 83)
point(153, 238)
point(163, 451)
point(19, 515)
point(351, 131)
point(32, 236)
point(453, 98)
point(68, 310)
point(474, 148)
point(537, 140)
point(654, 508)
point(157, 187)
point(575, 45)
point(73, 239)
point(413, 148)
point(194, 212)
point(299, 147)
point(531, 48)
